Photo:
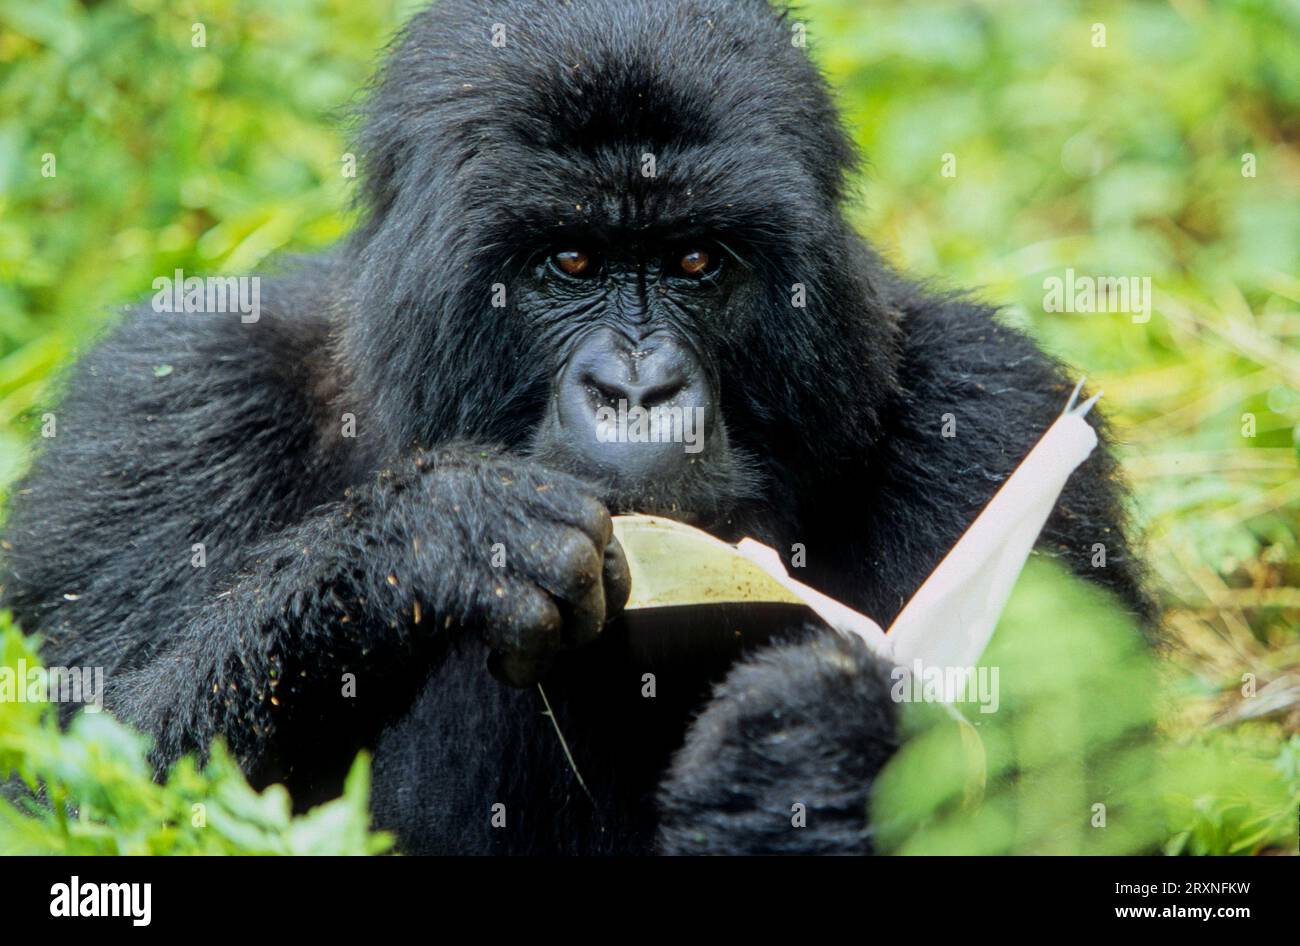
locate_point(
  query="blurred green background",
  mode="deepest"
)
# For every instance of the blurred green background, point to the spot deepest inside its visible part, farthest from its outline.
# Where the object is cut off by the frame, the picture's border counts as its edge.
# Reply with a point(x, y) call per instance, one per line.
point(1122, 158)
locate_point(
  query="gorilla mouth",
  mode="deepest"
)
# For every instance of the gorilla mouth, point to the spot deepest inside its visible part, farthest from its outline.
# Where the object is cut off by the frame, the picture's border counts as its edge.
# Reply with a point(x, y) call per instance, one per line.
point(706, 489)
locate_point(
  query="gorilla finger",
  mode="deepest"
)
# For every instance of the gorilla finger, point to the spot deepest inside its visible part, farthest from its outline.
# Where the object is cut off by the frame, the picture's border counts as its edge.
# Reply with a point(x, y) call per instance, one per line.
point(584, 619)
point(617, 579)
point(567, 565)
point(524, 620)
point(518, 670)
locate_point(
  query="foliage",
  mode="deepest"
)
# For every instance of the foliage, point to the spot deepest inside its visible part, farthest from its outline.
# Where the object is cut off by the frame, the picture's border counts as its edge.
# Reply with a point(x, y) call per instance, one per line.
point(1075, 728)
point(97, 794)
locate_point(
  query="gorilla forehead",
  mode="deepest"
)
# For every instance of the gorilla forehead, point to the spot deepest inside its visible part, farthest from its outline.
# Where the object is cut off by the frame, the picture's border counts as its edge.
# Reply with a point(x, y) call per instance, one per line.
point(554, 123)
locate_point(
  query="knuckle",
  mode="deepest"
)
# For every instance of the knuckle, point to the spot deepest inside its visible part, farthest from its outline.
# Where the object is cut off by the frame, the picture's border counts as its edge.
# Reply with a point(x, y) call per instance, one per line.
point(528, 621)
point(617, 577)
point(578, 561)
point(597, 519)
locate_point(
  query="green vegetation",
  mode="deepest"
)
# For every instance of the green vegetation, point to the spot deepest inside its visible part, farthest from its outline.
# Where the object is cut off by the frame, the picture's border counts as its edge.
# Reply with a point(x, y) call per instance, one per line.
point(1130, 159)
point(103, 799)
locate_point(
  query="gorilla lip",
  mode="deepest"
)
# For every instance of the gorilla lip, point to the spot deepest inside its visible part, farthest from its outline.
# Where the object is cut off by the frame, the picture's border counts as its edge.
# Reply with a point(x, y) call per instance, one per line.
point(658, 424)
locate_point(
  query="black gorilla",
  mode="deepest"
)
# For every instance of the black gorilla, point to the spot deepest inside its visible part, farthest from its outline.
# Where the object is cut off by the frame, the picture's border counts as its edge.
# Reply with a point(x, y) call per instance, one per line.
point(653, 190)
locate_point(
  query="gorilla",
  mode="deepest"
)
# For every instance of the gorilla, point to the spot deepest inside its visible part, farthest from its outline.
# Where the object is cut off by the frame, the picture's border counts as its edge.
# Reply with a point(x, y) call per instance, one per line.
point(379, 514)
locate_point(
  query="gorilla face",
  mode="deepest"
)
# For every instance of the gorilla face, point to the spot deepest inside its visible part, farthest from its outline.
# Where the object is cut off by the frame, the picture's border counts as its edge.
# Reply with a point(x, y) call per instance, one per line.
point(613, 244)
point(633, 395)
point(634, 385)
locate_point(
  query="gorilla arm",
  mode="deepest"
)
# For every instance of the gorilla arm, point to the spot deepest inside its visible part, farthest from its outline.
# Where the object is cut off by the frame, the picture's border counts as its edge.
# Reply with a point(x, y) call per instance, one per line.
point(366, 590)
point(305, 580)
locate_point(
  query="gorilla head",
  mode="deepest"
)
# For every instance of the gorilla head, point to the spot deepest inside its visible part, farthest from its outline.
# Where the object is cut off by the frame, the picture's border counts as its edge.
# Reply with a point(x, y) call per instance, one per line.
point(630, 212)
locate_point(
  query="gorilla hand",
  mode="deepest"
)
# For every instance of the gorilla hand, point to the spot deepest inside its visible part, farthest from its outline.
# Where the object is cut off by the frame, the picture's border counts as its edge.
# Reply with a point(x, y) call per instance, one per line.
point(367, 589)
point(808, 724)
point(538, 569)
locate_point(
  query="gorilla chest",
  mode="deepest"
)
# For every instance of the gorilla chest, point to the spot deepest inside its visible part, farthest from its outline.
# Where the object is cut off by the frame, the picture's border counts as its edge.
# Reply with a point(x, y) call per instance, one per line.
point(478, 767)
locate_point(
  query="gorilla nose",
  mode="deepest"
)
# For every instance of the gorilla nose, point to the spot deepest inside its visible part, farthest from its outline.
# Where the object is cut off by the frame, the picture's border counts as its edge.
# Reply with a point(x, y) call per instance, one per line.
point(659, 383)
point(634, 409)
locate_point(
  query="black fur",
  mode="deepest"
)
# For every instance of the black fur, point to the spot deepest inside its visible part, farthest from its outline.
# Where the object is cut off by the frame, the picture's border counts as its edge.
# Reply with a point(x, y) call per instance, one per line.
point(328, 555)
point(804, 725)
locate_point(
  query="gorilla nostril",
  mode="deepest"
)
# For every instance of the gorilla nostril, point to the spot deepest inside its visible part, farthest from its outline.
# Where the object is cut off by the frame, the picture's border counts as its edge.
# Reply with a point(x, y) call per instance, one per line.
point(664, 391)
point(603, 391)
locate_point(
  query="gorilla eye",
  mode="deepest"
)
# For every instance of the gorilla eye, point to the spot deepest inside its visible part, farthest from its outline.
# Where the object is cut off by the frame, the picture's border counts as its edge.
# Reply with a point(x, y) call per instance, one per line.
point(696, 263)
point(574, 262)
